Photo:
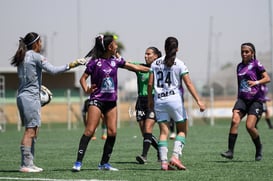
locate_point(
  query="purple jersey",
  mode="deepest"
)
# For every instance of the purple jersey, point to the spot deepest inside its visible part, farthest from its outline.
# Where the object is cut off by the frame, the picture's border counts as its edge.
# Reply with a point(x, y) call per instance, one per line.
point(103, 73)
point(250, 71)
point(264, 89)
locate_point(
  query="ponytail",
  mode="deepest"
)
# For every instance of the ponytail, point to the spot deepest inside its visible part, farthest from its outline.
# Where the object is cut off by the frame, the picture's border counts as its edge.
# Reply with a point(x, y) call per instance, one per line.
point(171, 45)
point(25, 44)
point(101, 46)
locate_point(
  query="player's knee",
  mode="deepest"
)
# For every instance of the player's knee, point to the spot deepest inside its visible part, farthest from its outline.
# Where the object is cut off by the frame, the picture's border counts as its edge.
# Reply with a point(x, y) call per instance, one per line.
point(235, 121)
point(89, 132)
point(250, 127)
point(111, 132)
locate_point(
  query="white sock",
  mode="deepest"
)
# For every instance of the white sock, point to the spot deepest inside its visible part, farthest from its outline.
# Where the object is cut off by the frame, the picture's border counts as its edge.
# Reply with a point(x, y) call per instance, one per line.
point(177, 149)
point(163, 153)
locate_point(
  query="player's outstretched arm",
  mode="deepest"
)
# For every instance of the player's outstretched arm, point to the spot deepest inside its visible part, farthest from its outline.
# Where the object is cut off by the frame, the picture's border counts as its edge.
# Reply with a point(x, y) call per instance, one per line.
point(77, 62)
point(135, 67)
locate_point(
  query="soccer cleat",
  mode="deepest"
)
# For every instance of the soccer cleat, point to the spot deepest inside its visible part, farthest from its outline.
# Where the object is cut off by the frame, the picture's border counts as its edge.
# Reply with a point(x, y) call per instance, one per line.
point(104, 137)
point(177, 163)
point(141, 159)
point(37, 168)
point(228, 154)
point(93, 138)
point(172, 136)
point(32, 168)
point(107, 166)
point(258, 155)
point(165, 166)
point(77, 166)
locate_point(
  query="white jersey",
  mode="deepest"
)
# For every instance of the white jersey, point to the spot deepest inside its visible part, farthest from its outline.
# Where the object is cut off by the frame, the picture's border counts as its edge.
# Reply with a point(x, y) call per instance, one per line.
point(167, 84)
point(167, 80)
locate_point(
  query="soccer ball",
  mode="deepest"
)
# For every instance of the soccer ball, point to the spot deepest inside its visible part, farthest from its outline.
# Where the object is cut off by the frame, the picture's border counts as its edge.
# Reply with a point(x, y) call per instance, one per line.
point(45, 95)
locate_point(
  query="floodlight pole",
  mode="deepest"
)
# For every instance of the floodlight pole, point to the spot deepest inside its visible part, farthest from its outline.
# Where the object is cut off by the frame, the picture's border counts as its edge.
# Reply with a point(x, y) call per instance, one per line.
point(209, 51)
point(210, 88)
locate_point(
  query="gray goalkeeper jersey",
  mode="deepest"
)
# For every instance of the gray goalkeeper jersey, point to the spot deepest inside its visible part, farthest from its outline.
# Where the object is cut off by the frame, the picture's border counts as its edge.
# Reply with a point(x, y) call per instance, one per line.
point(30, 79)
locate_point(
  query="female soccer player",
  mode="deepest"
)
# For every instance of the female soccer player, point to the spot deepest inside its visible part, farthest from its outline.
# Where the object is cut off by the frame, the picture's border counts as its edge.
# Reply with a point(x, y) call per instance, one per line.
point(251, 74)
point(166, 78)
point(30, 63)
point(145, 118)
point(102, 69)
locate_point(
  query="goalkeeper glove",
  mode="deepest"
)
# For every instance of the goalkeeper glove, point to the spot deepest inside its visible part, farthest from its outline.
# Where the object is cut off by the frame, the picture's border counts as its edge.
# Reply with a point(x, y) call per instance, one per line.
point(76, 63)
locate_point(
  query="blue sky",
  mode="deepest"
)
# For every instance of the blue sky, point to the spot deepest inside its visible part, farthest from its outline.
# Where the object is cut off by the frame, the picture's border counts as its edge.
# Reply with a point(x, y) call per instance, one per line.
point(71, 25)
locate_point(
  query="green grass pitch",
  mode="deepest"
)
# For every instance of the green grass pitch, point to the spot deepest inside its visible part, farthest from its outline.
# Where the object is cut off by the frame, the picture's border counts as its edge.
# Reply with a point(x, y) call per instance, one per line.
point(56, 151)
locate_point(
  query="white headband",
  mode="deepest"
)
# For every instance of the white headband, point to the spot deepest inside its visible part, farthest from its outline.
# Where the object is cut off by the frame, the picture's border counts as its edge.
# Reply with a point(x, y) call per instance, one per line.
point(34, 40)
point(248, 47)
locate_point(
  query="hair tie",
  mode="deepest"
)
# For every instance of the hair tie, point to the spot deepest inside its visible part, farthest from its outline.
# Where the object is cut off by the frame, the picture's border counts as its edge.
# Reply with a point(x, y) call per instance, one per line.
point(22, 42)
point(115, 37)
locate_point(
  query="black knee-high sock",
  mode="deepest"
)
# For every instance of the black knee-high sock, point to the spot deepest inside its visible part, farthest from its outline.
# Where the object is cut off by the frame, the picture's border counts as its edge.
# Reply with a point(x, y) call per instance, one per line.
point(257, 143)
point(231, 141)
point(82, 147)
point(147, 141)
point(107, 149)
point(154, 142)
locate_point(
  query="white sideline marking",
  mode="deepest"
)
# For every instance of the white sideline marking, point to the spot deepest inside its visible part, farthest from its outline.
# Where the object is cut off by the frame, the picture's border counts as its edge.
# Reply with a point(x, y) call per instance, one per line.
point(47, 179)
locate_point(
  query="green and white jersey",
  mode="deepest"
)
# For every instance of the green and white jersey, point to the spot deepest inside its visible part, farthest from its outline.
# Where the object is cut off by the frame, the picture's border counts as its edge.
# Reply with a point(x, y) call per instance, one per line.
point(167, 80)
point(142, 81)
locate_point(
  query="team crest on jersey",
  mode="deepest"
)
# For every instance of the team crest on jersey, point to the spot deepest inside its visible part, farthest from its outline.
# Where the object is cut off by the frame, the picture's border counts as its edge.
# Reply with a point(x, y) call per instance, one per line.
point(250, 66)
point(99, 63)
point(260, 64)
point(113, 63)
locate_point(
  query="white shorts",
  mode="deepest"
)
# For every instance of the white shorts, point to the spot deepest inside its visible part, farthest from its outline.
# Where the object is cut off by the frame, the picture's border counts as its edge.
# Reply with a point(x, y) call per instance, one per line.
point(172, 109)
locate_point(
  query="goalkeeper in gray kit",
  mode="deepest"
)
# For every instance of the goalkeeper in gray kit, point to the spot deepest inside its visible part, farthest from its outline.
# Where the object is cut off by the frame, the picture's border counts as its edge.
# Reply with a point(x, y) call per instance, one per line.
point(30, 63)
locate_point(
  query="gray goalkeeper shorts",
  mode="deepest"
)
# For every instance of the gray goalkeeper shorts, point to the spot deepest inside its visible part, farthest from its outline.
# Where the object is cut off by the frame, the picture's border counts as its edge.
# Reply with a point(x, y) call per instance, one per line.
point(30, 110)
